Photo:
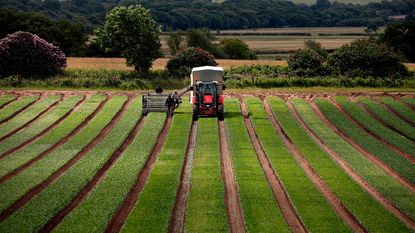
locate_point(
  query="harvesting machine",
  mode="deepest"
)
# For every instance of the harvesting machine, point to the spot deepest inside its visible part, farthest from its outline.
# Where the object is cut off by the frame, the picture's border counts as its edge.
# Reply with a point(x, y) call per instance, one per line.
point(206, 92)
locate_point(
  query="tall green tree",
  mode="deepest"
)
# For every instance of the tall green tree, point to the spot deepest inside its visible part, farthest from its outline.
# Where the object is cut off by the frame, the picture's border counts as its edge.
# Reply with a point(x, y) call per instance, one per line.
point(175, 42)
point(132, 31)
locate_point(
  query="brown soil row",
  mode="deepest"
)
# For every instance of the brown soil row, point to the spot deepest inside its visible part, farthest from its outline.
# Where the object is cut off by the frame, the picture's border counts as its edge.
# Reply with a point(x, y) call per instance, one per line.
point(178, 217)
point(278, 189)
point(392, 110)
point(373, 115)
point(95, 180)
point(349, 219)
point(10, 101)
point(232, 200)
point(352, 173)
point(62, 141)
point(52, 178)
point(363, 151)
point(45, 131)
point(129, 202)
point(390, 146)
point(48, 109)
point(20, 110)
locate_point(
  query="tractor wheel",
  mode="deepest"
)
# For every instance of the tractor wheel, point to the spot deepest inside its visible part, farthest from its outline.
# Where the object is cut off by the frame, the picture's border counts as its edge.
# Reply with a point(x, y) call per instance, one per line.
point(221, 112)
point(195, 115)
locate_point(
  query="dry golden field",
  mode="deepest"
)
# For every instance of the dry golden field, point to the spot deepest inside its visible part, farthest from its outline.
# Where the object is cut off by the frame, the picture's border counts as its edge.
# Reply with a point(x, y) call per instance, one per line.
point(159, 64)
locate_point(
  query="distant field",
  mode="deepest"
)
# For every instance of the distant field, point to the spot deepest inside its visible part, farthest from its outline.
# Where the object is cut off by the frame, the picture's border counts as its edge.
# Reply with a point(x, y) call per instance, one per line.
point(119, 63)
point(275, 43)
point(310, 2)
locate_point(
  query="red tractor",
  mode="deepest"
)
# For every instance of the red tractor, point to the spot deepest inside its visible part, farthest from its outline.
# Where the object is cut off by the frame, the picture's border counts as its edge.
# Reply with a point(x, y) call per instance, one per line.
point(207, 92)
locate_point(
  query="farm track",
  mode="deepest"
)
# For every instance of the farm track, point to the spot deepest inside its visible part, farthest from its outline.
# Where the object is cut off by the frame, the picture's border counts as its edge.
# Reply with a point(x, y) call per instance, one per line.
point(48, 109)
point(95, 180)
point(178, 217)
point(366, 153)
point(20, 110)
point(392, 110)
point(62, 141)
point(349, 219)
point(353, 174)
point(10, 101)
point(128, 204)
point(232, 199)
point(43, 132)
point(387, 144)
point(52, 178)
point(384, 123)
point(278, 189)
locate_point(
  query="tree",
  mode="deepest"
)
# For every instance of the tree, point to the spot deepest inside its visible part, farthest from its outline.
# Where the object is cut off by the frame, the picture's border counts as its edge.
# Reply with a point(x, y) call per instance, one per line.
point(203, 39)
point(132, 31)
point(181, 64)
point(316, 47)
point(366, 58)
point(28, 55)
point(175, 42)
point(305, 62)
point(236, 49)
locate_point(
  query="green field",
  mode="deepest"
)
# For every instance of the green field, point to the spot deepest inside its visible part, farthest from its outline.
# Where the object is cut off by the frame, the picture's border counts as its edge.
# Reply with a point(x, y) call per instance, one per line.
point(105, 167)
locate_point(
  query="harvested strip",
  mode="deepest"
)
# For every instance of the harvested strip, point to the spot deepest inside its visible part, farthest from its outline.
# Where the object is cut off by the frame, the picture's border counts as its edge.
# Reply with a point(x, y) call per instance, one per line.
point(24, 158)
point(388, 138)
point(119, 179)
point(392, 163)
point(27, 184)
point(399, 110)
point(388, 119)
point(78, 176)
point(409, 102)
point(152, 213)
point(36, 129)
point(305, 197)
point(177, 221)
point(126, 207)
point(291, 217)
point(7, 99)
point(42, 123)
point(312, 122)
point(206, 207)
point(16, 107)
point(330, 197)
point(232, 200)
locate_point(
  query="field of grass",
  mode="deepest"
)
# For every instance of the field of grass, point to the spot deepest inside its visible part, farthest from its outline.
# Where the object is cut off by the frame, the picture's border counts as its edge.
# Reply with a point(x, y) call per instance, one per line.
point(12, 108)
point(399, 107)
point(115, 166)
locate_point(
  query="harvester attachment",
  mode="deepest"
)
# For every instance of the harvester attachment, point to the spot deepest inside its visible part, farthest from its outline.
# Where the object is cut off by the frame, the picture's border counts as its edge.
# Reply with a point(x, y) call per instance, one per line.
point(154, 103)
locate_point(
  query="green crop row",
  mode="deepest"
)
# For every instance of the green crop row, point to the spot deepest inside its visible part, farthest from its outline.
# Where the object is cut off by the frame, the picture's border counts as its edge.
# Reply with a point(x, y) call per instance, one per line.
point(399, 107)
point(41, 124)
point(35, 213)
point(369, 212)
point(119, 179)
point(410, 101)
point(27, 115)
point(312, 208)
point(22, 156)
point(206, 207)
point(155, 204)
point(376, 127)
point(261, 212)
point(15, 106)
point(390, 119)
point(370, 144)
point(24, 181)
point(385, 184)
point(6, 98)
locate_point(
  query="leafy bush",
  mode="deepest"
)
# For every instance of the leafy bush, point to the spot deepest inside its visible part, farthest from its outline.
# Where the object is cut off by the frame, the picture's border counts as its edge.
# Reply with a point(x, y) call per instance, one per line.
point(365, 58)
point(28, 55)
point(316, 47)
point(305, 62)
point(181, 64)
point(236, 49)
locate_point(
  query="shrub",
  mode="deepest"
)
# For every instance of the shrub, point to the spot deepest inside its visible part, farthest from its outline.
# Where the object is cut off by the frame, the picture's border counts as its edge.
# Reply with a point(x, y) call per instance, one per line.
point(305, 62)
point(365, 58)
point(316, 47)
point(236, 49)
point(181, 64)
point(28, 55)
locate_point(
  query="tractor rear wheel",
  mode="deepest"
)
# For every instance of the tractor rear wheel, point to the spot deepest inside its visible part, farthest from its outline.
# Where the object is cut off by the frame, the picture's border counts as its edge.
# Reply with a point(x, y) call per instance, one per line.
point(221, 112)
